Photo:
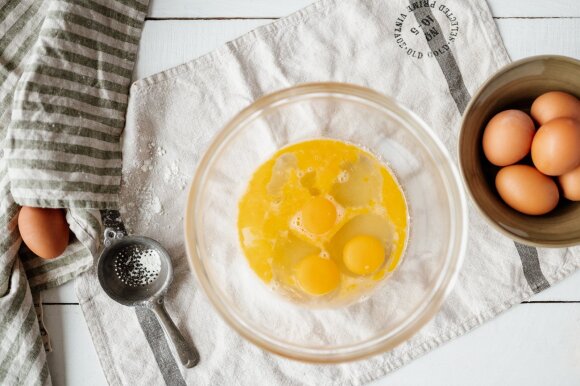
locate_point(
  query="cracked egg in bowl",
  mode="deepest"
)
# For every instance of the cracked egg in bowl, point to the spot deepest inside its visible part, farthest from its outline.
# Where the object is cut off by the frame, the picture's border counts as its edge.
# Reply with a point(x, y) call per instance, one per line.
point(326, 223)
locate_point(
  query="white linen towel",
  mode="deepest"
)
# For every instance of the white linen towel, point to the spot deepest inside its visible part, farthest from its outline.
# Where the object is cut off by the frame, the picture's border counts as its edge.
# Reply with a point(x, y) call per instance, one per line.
point(173, 115)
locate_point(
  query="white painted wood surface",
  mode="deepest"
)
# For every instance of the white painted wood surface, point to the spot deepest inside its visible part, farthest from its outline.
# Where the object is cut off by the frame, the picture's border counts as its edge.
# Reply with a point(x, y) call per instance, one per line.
point(533, 344)
point(279, 8)
point(74, 360)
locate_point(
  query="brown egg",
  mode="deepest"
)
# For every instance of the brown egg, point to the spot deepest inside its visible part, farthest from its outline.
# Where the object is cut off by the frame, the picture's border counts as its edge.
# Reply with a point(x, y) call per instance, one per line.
point(44, 231)
point(555, 104)
point(556, 146)
point(508, 137)
point(570, 183)
point(527, 190)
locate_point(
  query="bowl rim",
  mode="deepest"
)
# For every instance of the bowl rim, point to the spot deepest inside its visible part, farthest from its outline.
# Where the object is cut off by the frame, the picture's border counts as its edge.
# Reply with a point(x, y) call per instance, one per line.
point(463, 129)
point(446, 276)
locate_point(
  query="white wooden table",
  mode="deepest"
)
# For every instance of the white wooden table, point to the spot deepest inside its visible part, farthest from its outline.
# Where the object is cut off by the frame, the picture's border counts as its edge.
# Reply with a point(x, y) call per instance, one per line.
point(536, 343)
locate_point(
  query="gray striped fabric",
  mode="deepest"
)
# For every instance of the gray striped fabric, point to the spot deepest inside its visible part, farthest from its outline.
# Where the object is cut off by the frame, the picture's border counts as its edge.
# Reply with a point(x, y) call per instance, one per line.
point(65, 71)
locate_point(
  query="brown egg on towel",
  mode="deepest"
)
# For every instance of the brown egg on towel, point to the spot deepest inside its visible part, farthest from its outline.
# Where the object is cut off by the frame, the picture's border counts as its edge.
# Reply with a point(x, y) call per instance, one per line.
point(44, 231)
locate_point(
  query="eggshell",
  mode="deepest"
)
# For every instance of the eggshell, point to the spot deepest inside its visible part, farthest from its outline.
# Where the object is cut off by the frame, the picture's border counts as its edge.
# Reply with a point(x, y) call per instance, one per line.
point(570, 183)
point(508, 137)
point(555, 104)
point(556, 146)
point(44, 231)
point(526, 189)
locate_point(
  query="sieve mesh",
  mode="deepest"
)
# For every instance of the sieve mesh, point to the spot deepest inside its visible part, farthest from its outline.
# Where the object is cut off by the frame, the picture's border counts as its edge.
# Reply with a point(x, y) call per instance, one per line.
point(137, 266)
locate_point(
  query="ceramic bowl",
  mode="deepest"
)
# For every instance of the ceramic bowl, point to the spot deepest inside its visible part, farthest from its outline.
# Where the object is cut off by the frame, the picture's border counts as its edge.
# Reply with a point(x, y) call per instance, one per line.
point(515, 87)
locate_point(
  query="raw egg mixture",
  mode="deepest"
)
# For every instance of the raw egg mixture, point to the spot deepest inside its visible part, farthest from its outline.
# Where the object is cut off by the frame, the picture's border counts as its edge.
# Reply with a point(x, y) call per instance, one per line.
point(323, 222)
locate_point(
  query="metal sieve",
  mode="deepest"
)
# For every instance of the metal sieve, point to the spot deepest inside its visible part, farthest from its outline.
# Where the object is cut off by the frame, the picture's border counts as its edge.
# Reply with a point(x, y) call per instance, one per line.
point(136, 271)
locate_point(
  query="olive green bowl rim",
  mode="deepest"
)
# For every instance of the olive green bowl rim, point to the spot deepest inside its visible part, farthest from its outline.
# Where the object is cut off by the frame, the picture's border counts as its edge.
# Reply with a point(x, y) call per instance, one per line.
point(463, 129)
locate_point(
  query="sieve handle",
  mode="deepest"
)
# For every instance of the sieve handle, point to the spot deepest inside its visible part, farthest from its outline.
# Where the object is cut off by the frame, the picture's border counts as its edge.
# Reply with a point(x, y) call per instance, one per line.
point(187, 354)
point(111, 235)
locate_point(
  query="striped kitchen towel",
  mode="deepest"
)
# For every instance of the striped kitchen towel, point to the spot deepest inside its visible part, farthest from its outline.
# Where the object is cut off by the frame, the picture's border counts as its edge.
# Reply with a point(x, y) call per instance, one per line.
point(430, 55)
point(65, 71)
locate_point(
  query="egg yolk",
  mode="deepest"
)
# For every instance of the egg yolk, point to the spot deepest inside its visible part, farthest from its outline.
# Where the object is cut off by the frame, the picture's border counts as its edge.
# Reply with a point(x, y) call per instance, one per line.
point(363, 255)
point(318, 215)
point(317, 275)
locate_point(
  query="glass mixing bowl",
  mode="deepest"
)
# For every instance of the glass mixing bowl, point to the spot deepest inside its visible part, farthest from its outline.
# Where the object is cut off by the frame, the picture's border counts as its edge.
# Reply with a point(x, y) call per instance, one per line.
point(397, 308)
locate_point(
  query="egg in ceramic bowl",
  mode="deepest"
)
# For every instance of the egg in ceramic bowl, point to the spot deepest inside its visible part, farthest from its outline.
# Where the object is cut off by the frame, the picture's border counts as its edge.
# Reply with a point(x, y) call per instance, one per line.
point(536, 86)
